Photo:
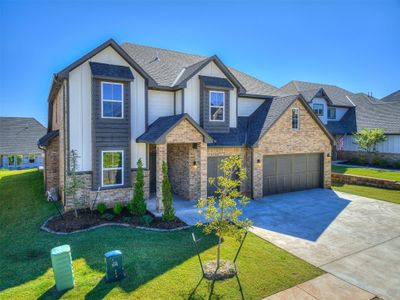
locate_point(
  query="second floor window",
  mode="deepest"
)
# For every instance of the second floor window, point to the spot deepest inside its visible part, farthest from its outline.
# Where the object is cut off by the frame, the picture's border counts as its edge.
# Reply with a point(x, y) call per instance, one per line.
point(318, 109)
point(295, 118)
point(331, 112)
point(217, 106)
point(112, 102)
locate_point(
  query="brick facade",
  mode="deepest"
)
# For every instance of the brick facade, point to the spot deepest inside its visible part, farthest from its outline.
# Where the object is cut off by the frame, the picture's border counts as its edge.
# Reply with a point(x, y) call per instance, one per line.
point(282, 139)
point(186, 156)
point(86, 195)
point(52, 163)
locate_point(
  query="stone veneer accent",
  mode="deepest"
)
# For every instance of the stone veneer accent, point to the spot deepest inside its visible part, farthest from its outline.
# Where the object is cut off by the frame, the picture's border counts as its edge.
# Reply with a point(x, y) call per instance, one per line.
point(244, 153)
point(348, 155)
point(365, 181)
point(282, 139)
point(196, 183)
point(86, 195)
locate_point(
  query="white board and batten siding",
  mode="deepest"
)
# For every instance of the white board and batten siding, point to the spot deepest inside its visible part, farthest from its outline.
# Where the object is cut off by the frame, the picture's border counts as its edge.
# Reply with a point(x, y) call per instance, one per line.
point(391, 145)
point(192, 95)
point(161, 104)
point(247, 106)
point(80, 109)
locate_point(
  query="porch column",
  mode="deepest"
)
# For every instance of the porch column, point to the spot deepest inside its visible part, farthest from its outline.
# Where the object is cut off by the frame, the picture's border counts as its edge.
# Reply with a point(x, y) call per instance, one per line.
point(161, 155)
point(203, 169)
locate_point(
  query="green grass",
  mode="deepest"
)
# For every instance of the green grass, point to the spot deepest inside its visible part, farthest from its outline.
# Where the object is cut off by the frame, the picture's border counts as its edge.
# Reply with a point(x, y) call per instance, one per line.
point(159, 265)
point(392, 175)
point(370, 192)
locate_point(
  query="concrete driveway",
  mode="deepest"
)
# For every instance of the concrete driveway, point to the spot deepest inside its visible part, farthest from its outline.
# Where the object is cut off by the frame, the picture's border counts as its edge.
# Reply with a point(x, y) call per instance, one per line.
point(354, 238)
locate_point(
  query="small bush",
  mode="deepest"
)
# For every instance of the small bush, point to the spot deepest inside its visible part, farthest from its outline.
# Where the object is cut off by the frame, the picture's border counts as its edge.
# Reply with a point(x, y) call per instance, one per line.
point(107, 216)
point(126, 219)
point(169, 211)
point(146, 220)
point(138, 202)
point(130, 207)
point(101, 207)
point(117, 208)
point(380, 162)
point(396, 164)
point(355, 161)
point(363, 160)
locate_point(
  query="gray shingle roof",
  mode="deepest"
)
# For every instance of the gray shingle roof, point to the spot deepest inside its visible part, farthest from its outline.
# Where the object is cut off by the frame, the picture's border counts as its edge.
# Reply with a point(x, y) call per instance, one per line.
point(157, 131)
point(368, 113)
point(20, 135)
point(45, 140)
point(250, 129)
point(110, 71)
point(392, 97)
point(336, 94)
point(166, 67)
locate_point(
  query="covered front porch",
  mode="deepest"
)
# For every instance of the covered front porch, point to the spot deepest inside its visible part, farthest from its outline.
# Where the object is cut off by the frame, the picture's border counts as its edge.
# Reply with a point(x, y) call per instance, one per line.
point(182, 144)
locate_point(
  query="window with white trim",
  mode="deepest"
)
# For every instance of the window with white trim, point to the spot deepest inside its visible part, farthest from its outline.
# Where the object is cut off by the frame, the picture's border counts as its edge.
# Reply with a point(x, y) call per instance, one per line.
point(217, 106)
point(112, 102)
point(332, 113)
point(295, 118)
point(112, 168)
point(318, 108)
point(11, 160)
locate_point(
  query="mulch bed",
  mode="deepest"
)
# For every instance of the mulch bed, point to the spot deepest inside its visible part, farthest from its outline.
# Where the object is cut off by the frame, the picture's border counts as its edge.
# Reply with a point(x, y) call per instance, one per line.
point(87, 219)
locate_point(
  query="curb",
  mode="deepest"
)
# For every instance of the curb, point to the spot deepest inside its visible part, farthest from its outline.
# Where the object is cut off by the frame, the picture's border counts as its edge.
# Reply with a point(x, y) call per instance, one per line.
point(45, 228)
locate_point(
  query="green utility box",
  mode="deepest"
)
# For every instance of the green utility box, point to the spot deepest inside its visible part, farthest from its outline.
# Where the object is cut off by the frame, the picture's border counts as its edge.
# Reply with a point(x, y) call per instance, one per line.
point(62, 267)
point(114, 267)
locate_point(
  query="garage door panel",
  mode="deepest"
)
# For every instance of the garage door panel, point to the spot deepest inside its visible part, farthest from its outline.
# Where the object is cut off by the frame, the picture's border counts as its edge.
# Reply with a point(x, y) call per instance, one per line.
point(286, 173)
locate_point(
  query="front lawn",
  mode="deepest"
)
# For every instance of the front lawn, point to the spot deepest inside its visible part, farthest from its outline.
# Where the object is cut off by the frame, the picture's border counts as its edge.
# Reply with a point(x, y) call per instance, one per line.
point(383, 174)
point(159, 265)
point(370, 192)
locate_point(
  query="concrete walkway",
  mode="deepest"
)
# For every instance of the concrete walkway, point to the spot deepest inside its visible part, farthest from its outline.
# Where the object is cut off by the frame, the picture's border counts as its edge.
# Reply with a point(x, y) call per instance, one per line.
point(323, 287)
point(356, 239)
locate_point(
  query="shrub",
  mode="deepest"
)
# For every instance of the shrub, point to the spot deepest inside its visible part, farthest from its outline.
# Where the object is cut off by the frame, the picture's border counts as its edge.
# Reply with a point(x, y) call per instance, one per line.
point(138, 204)
point(146, 220)
point(355, 160)
point(383, 163)
point(169, 211)
point(396, 164)
point(101, 207)
point(117, 208)
point(107, 216)
point(126, 219)
point(363, 160)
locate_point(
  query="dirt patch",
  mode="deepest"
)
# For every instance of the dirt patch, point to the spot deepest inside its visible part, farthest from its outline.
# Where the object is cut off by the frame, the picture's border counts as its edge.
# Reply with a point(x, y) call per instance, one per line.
point(87, 219)
point(226, 270)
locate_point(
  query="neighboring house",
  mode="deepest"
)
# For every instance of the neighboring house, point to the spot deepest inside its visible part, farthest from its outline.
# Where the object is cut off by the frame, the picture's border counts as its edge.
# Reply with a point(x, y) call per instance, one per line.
point(395, 96)
point(120, 103)
point(18, 143)
point(345, 113)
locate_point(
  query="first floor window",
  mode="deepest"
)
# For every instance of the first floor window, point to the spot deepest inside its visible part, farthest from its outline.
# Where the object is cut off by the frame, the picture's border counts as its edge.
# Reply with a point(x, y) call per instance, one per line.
point(318, 109)
point(112, 168)
point(295, 118)
point(31, 158)
point(217, 106)
point(112, 100)
point(331, 112)
point(11, 160)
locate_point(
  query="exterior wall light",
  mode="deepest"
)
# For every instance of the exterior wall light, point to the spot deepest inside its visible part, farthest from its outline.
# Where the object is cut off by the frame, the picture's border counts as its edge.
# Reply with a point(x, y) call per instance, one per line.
point(194, 166)
point(258, 162)
point(328, 155)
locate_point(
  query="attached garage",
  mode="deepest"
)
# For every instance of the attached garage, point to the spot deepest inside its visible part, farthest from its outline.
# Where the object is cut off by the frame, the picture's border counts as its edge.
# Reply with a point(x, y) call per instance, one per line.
point(289, 173)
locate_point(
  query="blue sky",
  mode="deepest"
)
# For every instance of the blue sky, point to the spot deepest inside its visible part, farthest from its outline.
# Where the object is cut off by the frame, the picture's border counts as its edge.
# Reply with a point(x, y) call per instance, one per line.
point(353, 44)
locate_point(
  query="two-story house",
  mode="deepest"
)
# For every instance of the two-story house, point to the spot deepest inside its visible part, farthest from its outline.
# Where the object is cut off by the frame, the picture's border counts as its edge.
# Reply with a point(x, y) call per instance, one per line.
point(345, 113)
point(121, 103)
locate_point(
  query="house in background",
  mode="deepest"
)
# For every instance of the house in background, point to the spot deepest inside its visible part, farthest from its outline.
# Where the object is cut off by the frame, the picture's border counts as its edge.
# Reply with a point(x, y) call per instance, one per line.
point(18, 143)
point(119, 103)
point(395, 96)
point(345, 113)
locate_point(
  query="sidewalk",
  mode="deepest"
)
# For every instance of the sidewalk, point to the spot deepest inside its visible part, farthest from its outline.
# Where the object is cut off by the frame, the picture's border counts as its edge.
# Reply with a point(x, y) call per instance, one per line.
point(323, 287)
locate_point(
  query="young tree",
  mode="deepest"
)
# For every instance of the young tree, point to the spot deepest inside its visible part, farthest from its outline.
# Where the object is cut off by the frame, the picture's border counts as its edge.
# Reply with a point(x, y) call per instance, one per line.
point(138, 202)
point(368, 139)
point(169, 211)
point(223, 210)
point(73, 182)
